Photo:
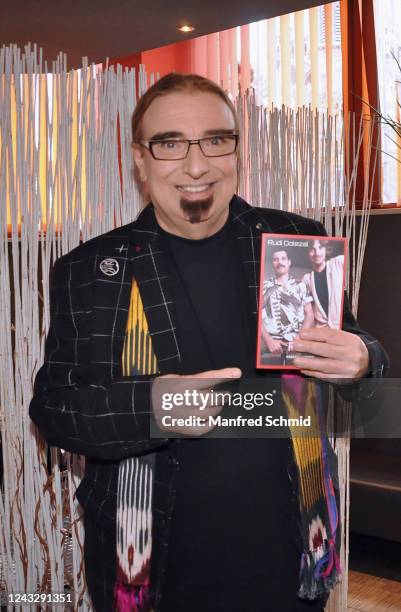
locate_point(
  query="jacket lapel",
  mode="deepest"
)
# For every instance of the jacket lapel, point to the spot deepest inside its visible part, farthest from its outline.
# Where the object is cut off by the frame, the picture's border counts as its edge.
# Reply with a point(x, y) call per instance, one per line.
point(248, 227)
point(137, 253)
point(151, 273)
point(112, 288)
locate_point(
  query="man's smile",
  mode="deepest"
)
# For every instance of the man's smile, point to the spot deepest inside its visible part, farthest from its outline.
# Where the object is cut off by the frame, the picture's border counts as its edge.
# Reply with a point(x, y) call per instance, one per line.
point(194, 188)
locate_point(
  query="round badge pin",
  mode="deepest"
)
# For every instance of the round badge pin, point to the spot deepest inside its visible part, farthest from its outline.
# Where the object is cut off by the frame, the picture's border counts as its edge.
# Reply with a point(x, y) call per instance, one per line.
point(109, 267)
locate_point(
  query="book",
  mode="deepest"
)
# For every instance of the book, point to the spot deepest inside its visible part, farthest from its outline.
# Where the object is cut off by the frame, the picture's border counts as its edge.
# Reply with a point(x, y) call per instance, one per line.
point(302, 281)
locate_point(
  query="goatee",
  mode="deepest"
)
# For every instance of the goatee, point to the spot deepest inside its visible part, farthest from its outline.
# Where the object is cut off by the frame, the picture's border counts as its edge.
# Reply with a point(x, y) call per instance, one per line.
point(195, 209)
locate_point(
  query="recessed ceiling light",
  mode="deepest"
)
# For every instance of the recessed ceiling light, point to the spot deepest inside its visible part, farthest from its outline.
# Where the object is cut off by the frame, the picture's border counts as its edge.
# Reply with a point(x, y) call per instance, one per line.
point(186, 28)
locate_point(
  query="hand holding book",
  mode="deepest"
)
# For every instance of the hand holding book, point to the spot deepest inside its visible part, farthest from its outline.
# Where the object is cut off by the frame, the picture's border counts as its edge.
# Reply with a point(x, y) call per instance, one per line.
point(335, 354)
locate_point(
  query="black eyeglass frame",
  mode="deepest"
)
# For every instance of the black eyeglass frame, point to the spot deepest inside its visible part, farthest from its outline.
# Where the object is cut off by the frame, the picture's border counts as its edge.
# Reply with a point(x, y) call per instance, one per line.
point(147, 144)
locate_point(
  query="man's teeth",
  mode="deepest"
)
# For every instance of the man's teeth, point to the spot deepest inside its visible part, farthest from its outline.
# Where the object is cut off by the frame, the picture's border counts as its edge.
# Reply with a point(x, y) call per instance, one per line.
point(193, 188)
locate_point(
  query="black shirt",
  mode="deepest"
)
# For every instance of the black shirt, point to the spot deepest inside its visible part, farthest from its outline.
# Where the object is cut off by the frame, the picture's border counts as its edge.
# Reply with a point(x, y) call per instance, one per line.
point(231, 546)
point(322, 289)
point(211, 311)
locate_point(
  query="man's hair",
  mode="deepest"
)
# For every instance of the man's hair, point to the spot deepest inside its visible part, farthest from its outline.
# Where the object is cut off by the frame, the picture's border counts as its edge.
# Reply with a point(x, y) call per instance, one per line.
point(177, 82)
point(280, 251)
point(324, 243)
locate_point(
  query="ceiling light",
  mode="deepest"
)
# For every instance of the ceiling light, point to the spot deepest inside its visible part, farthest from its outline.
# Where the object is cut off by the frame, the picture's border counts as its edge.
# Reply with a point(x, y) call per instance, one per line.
point(186, 28)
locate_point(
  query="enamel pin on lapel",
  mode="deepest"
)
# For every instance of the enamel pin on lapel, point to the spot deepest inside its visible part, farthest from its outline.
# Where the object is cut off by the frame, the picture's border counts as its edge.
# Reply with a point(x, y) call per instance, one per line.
point(109, 267)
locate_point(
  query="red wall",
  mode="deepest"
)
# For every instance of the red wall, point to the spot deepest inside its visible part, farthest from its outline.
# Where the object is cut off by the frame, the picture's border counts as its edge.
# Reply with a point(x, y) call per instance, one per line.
point(176, 57)
point(130, 61)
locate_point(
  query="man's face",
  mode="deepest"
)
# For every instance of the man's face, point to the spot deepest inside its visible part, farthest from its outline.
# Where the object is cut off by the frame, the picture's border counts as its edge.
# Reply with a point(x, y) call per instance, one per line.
point(317, 253)
point(195, 191)
point(281, 263)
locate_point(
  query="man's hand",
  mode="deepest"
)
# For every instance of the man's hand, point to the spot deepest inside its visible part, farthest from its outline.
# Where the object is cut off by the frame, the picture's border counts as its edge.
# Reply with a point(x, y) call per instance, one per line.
point(273, 346)
point(204, 383)
point(337, 354)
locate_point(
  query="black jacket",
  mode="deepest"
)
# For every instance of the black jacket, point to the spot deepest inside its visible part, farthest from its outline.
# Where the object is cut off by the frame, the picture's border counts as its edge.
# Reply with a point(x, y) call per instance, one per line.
point(81, 402)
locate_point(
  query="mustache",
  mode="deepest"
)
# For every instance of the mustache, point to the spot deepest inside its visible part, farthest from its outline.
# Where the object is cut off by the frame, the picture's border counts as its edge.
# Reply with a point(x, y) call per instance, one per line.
point(194, 209)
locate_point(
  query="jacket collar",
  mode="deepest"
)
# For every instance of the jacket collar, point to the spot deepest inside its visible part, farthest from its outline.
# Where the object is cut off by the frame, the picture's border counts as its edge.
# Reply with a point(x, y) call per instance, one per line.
point(146, 229)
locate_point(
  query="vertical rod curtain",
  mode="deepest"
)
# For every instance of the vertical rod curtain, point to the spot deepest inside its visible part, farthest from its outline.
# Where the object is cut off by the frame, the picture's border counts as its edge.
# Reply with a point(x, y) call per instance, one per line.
point(200, 55)
point(328, 19)
point(360, 86)
point(314, 55)
point(285, 60)
point(290, 77)
point(213, 65)
point(300, 58)
point(271, 62)
point(233, 61)
point(224, 60)
point(245, 68)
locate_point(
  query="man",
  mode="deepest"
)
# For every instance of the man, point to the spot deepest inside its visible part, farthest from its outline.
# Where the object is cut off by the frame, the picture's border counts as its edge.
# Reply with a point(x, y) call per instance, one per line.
point(287, 310)
point(195, 524)
point(325, 283)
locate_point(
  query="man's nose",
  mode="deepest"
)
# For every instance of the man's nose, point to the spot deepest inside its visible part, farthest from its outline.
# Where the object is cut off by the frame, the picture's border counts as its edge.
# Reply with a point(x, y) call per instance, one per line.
point(196, 163)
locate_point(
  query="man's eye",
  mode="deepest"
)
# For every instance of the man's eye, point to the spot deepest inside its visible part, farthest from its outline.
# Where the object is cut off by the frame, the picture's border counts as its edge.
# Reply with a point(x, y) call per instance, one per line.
point(169, 144)
point(217, 140)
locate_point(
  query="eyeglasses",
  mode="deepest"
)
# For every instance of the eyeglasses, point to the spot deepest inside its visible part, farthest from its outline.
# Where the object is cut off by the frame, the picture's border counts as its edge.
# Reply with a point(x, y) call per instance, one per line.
point(213, 146)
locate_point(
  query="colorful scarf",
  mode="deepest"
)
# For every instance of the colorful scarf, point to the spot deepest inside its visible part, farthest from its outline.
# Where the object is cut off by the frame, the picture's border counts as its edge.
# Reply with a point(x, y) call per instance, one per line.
point(316, 475)
point(135, 481)
point(317, 478)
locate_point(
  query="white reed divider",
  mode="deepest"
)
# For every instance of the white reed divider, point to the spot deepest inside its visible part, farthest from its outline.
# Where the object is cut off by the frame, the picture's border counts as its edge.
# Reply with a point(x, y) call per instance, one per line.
point(18, 542)
point(29, 283)
point(82, 193)
point(5, 324)
point(369, 177)
point(126, 84)
point(76, 580)
point(291, 160)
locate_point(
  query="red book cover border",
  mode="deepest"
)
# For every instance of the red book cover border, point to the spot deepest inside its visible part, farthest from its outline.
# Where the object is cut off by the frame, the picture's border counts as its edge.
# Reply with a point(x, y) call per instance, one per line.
point(264, 237)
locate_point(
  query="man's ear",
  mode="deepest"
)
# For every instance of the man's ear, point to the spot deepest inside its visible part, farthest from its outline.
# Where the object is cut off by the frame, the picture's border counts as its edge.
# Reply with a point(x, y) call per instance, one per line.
point(139, 161)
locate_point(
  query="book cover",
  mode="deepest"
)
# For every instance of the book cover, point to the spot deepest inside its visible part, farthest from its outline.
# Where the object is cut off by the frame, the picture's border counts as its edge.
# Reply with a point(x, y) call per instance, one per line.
point(302, 280)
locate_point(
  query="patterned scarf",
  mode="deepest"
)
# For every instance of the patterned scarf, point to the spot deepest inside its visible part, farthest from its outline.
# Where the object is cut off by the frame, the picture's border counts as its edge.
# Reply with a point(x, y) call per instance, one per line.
point(135, 481)
point(316, 475)
point(317, 478)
